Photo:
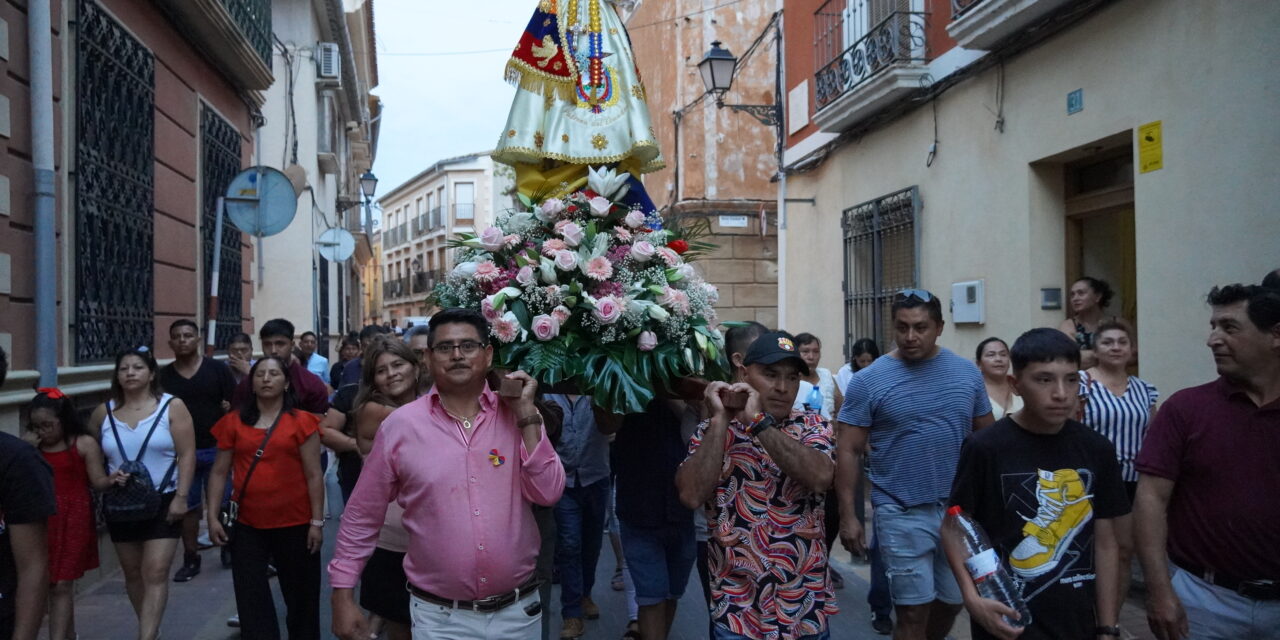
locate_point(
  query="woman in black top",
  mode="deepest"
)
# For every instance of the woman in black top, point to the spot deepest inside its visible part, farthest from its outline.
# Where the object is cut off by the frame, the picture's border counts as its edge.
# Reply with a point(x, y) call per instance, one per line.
point(1089, 296)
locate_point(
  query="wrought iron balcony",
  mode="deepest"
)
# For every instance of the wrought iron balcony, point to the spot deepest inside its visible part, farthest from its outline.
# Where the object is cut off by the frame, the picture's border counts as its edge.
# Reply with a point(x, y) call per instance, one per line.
point(235, 35)
point(897, 40)
point(960, 7)
point(253, 17)
point(423, 281)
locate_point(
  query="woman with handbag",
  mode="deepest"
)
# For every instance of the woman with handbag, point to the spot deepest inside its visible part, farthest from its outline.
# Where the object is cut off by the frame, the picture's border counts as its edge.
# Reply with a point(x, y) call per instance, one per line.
point(276, 512)
point(149, 445)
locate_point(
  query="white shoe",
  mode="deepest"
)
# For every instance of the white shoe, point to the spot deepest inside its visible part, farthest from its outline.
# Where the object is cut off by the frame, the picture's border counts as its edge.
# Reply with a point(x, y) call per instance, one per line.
point(204, 540)
point(234, 621)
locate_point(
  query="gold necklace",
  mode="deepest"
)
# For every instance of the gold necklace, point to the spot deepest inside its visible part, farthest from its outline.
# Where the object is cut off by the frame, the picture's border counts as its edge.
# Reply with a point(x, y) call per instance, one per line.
point(465, 422)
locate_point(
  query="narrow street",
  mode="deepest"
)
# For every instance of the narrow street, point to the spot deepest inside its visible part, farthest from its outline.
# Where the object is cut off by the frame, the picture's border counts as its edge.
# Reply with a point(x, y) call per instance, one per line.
point(198, 610)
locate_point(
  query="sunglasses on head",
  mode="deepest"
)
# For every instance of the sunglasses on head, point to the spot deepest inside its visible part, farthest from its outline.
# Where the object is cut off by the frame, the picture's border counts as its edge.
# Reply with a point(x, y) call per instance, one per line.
point(918, 294)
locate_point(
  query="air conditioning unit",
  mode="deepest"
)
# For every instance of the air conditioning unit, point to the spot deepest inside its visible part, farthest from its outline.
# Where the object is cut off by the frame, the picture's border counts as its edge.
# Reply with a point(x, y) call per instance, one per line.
point(328, 62)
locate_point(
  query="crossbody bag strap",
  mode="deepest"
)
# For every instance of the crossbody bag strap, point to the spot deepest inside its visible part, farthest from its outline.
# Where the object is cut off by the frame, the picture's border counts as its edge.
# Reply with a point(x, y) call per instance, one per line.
point(257, 457)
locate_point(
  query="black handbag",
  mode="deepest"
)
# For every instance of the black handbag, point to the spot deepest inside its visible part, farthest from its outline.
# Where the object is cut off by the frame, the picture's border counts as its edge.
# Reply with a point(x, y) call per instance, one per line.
point(138, 499)
point(230, 513)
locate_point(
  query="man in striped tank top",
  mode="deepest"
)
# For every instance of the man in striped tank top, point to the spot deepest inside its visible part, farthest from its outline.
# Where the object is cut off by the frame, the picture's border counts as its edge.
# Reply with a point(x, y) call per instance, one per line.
point(914, 408)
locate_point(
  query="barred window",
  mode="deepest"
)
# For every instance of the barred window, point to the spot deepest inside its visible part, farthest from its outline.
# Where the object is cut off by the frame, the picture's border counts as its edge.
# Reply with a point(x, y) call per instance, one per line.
point(220, 162)
point(880, 259)
point(114, 188)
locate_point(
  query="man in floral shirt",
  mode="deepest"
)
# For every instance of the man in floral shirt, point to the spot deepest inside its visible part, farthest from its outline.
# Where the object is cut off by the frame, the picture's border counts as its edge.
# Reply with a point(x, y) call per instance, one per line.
point(761, 471)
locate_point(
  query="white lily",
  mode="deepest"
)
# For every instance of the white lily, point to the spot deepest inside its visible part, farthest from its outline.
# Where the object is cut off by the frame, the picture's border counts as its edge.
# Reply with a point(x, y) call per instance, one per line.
point(466, 269)
point(608, 182)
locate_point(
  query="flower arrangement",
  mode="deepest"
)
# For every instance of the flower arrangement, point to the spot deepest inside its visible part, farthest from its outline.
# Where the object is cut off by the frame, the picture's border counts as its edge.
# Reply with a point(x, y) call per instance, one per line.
point(588, 290)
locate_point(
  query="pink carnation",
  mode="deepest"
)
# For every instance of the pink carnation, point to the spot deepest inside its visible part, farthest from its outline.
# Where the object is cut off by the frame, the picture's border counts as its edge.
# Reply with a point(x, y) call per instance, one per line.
point(512, 240)
point(623, 233)
point(675, 299)
point(598, 268)
point(561, 313)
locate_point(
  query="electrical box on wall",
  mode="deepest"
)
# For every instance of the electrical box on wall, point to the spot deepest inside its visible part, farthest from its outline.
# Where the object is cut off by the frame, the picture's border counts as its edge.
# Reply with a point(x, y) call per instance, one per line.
point(968, 302)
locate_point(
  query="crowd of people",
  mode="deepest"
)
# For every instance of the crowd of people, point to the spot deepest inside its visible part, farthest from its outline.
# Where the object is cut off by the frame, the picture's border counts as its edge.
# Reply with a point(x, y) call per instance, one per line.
point(467, 491)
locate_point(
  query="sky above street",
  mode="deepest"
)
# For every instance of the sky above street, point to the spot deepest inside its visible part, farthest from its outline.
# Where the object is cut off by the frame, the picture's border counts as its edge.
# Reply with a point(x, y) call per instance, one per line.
point(438, 106)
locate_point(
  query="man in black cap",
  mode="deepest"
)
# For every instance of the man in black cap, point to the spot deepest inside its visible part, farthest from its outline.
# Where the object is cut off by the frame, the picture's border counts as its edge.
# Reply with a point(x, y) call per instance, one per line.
point(762, 472)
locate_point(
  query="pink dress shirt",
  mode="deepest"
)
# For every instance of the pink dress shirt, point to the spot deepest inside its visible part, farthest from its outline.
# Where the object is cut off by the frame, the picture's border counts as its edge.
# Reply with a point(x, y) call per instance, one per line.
point(471, 529)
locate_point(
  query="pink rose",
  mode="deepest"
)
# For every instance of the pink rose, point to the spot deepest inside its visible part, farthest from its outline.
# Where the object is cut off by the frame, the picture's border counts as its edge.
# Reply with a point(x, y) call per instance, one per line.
point(486, 309)
point(608, 310)
point(566, 260)
point(598, 268)
point(487, 271)
point(491, 239)
point(646, 341)
point(545, 327)
point(525, 275)
point(623, 233)
point(561, 313)
point(551, 207)
point(571, 232)
point(668, 256)
point(552, 246)
point(634, 219)
point(600, 206)
point(642, 251)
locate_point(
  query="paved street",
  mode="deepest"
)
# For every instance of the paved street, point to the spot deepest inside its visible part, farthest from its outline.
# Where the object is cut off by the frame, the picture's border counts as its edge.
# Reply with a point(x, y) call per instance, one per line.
point(198, 610)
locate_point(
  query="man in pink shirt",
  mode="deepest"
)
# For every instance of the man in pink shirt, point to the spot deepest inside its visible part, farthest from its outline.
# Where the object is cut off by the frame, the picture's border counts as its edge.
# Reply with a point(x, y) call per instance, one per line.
point(466, 466)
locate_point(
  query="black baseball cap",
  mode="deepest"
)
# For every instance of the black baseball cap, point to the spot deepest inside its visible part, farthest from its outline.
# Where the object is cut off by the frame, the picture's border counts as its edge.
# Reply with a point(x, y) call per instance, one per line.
point(772, 347)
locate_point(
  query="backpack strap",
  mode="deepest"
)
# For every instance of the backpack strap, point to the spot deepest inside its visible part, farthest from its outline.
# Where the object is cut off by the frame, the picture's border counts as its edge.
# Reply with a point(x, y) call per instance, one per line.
point(115, 430)
point(155, 423)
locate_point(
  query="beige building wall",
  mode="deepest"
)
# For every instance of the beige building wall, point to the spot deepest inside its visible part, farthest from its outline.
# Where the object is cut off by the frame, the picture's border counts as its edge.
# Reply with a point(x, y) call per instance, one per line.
point(993, 203)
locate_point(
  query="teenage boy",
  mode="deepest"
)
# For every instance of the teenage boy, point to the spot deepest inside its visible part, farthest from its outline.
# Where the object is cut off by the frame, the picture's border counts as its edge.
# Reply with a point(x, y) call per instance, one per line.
point(1048, 491)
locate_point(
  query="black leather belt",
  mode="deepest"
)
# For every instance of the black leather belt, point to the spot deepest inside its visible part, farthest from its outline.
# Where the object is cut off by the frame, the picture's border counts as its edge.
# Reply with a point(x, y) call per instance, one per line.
point(484, 605)
point(1252, 589)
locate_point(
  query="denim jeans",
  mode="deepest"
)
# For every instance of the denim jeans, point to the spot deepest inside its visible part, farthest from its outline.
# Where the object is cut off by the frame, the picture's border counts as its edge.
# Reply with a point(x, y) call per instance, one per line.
point(1215, 613)
point(580, 515)
point(878, 595)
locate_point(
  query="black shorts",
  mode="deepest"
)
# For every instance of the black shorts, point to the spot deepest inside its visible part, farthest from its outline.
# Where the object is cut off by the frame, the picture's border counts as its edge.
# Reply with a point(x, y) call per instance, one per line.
point(384, 587)
point(143, 530)
point(1131, 490)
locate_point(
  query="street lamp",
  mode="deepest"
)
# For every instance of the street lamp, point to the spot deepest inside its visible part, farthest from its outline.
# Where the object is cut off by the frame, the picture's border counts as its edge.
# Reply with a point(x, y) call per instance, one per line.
point(368, 184)
point(717, 68)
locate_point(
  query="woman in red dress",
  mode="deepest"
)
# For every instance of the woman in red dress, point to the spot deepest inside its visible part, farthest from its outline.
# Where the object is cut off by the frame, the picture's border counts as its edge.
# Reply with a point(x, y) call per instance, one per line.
point(77, 465)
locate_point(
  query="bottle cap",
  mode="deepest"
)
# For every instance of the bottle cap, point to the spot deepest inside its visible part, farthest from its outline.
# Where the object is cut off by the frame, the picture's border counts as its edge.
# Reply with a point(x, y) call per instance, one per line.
point(954, 511)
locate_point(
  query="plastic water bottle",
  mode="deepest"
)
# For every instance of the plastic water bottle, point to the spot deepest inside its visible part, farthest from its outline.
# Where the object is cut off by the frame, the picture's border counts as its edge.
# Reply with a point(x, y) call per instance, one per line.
point(814, 400)
point(989, 575)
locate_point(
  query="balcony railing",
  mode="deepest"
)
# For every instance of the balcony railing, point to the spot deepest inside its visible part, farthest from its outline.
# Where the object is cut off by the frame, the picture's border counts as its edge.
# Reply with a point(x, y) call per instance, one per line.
point(436, 219)
point(960, 7)
point(254, 19)
point(898, 39)
point(396, 288)
point(424, 281)
point(464, 211)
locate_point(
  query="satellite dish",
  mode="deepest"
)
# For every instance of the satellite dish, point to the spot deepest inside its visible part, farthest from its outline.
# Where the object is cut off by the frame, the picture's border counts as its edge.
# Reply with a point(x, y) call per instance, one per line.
point(336, 244)
point(261, 201)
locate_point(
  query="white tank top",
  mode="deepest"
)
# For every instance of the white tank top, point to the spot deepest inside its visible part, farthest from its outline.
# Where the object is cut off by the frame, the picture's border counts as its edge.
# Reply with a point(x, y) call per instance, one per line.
point(160, 450)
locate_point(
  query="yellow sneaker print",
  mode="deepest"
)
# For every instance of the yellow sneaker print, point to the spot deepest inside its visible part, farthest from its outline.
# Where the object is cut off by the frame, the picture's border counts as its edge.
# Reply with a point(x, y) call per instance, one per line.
point(1064, 509)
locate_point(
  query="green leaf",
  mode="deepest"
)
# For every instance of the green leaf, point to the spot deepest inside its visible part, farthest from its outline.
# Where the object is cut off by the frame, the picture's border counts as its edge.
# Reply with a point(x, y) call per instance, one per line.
point(521, 310)
point(524, 199)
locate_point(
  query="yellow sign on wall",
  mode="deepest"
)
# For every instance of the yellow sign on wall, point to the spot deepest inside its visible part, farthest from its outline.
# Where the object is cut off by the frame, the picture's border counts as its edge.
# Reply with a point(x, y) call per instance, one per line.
point(1150, 147)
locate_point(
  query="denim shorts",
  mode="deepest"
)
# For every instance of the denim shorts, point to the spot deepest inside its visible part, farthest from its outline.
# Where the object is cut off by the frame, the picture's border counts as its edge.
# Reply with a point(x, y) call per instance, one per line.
point(659, 560)
point(204, 464)
point(912, 551)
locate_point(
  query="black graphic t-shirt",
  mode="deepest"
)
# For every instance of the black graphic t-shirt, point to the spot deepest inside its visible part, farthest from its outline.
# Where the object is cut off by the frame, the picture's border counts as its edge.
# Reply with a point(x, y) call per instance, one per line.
point(26, 496)
point(1038, 496)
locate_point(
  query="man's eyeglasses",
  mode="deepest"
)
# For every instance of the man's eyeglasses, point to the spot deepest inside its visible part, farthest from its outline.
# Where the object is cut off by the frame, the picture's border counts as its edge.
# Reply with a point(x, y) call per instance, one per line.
point(467, 348)
point(918, 294)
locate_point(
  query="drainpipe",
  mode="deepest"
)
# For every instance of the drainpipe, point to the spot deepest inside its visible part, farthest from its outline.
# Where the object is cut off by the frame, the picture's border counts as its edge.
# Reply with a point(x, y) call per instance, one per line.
point(40, 54)
point(780, 78)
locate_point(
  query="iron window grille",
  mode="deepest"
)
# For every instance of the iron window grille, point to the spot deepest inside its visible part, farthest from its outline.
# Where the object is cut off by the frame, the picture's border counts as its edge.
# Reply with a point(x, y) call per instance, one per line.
point(881, 240)
point(220, 162)
point(114, 188)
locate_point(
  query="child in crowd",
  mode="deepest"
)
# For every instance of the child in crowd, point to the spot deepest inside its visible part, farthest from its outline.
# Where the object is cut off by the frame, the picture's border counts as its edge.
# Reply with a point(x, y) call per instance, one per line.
point(1048, 491)
point(77, 465)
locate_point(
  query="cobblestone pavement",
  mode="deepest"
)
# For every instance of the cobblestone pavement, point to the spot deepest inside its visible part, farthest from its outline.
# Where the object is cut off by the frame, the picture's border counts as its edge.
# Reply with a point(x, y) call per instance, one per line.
point(198, 610)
